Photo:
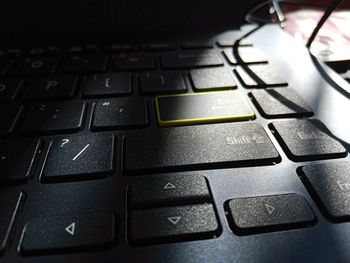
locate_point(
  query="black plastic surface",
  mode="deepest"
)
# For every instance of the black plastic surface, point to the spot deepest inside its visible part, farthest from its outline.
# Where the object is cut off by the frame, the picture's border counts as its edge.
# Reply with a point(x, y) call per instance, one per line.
point(324, 242)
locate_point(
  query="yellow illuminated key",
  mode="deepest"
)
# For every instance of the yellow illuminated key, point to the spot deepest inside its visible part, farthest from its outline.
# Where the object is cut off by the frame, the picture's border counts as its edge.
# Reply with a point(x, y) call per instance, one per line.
point(206, 107)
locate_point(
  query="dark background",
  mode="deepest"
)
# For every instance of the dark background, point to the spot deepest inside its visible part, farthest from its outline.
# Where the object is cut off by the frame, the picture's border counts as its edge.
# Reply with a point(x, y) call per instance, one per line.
point(53, 20)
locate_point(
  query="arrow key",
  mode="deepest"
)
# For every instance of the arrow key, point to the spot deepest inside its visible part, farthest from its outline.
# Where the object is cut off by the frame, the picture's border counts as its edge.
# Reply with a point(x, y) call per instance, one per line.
point(212, 79)
point(167, 190)
point(173, 224)
point(269, 213)
point(68, 233)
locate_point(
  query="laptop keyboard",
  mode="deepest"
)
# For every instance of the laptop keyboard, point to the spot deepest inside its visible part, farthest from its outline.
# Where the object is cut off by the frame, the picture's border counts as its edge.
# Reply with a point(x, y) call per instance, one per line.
point(157, 113)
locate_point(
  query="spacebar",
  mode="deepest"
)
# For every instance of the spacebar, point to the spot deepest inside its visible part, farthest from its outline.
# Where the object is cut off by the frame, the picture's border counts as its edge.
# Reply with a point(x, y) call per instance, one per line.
point(199, 147)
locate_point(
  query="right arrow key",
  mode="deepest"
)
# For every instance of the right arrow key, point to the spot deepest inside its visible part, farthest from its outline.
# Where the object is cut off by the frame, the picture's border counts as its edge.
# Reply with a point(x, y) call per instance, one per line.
point(269, 213)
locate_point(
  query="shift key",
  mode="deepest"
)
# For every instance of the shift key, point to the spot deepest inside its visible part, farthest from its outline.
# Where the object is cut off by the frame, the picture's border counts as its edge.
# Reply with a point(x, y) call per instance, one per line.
point(199, 147)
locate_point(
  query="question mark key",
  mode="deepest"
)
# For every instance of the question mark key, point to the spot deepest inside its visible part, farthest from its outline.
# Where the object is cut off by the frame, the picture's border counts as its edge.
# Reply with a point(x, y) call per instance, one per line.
point(77, 158)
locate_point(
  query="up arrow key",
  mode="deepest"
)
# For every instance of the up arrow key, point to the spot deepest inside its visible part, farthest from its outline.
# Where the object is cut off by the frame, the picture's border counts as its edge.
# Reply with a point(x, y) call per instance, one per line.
point(71, 228)
point(169, 186)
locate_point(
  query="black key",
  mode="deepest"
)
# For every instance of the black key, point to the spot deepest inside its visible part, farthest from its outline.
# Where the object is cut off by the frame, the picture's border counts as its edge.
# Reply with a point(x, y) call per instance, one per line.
point(260, 76)
point(329, 184)
point(107, 84)
point(37, 65)
point(5, 64)
point(162, 83)
point(47, 51)
point(185, 59)
point(169, 190)
point(37, 52)
point(8, 116)
point(74, 49)
point(134, 61)
point(14, 52)
point(56, 87)
point(17, 160)
point(307, 140)
point(68, 233)
point(120, 47)
point(159, 46)
point(9, 88)
point(10, 202)
point(91, 48)
point(269, 213)
point(79, 158)
point(228, 39)
point(85, 63)
point(280, 103)
point(245, 55)
point(120, 113)
point(197, 44)
point(212, 79)
point(205, 146)
point(173, 224)
point(55, 117)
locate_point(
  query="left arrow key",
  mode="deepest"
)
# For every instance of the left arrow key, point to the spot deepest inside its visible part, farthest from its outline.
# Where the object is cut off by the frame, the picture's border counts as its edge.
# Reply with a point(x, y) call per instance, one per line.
point(68, 233)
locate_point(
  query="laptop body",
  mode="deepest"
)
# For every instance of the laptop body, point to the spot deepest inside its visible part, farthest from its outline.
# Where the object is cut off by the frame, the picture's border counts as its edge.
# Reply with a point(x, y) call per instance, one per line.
point(155, 132)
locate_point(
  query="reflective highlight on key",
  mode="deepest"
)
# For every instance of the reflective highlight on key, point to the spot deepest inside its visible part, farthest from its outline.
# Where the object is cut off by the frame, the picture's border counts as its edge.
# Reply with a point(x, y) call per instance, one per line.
point(199, 108)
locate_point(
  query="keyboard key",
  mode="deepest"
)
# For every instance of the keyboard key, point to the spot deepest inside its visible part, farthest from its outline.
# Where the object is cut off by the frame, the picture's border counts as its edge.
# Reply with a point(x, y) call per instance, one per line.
point(186, 59)
point(107, 84)
point(260, 76)
point(120, 113)
point(329, 184)
point(57, 87)
point(202, 108)
point(55, 117)
point(120, 47)
point(91, 48)
point(85, 63)
point(212, 79)
point(173, 224)
point(169, 190)
point(74, 49)
point(200, 147)
point(10, 202)
point(280, 103)
point(71, 233)
point(37, 65)
point(8, 116)
point(245, 55)
point(159, 46)
point(79, 158)
point(197, 44)
point(164, 82)
point(17, 160)
point(14, 52)
point(269, 213)
point(37, 51)
point(307, 140)
point(134, 61)
point(5, 64)
point(9, 88)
